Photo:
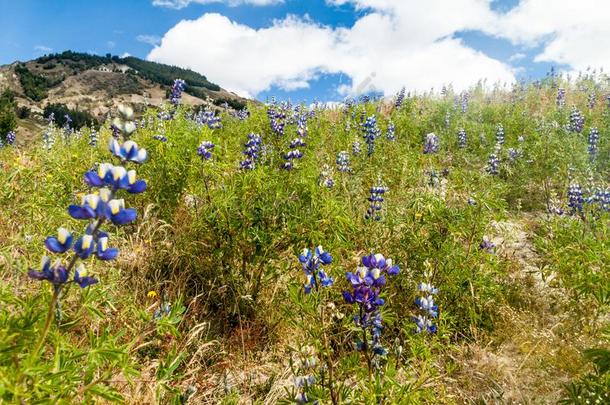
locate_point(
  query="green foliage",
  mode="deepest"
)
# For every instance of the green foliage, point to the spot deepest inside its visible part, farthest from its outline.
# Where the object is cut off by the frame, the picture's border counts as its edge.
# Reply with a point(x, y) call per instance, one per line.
point(8, 118)
point(35, 86)
point(79, 118)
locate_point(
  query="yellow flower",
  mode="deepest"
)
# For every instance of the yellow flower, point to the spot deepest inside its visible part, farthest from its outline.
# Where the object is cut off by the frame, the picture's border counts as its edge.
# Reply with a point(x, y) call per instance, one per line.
point(151, 294)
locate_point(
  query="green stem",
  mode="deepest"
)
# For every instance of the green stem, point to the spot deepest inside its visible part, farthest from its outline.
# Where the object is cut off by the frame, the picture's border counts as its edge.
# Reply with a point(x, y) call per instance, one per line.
point(47, 323)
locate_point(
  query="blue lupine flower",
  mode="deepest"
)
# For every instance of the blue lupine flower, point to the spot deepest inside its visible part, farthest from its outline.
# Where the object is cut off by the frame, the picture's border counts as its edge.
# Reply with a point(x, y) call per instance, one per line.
point(117, 177)
point(400, 97)
point(118, 214)
point(370, 132)
point(493, 164)
point(61, 243)
point(161, 138)
point(499, 134)
point(297, 142)
point(427, 304)
point(205, 150)
point(93, 138)
point(462, 138)
point(366, 283)
point(376, 199)
point(471, 201)
point(561, 97)
point(464, 101)
point(390, 133)
point(251, 151)
point(343, 162)
point(176, 91)
point(128, 151)
point(48, 136)
point(325, 178)
point(84, 246)
point(591, 100)
point(81, 278)
point(577, 120)
point(356, 149)
point(91, 207)
point(56, 274)
point(277, 114)
point(10, 138)
point(514, 154)
point(431, 144)
point(447, 119)
point(592, 141)
point(575, 198)
point(427, 288)
point(209, 118)
point(311, 262)
point(487, 245)
point(242, 114)
point(424, 324)
point(102, 251)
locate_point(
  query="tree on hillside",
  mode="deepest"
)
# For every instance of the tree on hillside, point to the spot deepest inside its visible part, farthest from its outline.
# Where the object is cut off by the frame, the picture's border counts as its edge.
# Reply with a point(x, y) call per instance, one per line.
point(8, 118)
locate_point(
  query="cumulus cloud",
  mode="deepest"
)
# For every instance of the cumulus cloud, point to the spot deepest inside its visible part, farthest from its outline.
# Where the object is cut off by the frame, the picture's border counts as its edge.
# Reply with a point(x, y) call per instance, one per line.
point(402, 42)
point(179, 4)
point(149, 39)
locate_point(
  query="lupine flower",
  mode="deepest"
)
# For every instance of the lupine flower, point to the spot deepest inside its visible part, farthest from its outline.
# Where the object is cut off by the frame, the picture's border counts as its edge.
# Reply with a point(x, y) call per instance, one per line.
point(431, 144)
point(575, 198)
point(128, 151)
point(277, 116)
point(176, 91)
point(514, 154)
point(447, 119)
point(561, 97)
point(487, 245)
point(60, 244)
point(493, 164)
point(311, 262)
point(10, 138)
point(161, 138)
point(390, 133)
point(84, 246)
point(462, 138)
point(56, 274)
point(356, 149)
point(93, 137)
point(471, 201)
point(205, 150)
point(81, 278)
point(370, 132)
point(48, 136)
point(326, 179)
point(102, 251)
point(591, 100)
point(293, 153)
point(242, 114)
point(376, 199)
point(209, 118)
point(500, 134)
point(464, 101)
point(577, 120)
point(115, 177)
point(400, 97)
point(303, 368)
point(251, 151)
point(367, 282)
point(427, 308)
point(593, 140)
point(343, 162)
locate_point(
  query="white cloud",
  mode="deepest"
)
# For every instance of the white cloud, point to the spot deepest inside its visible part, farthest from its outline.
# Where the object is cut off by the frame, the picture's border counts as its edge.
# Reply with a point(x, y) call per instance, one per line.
point(403, 42)
point(43, 48)
point(179, 4)
point(516, 57)
point(149, 39)
point(570, 32)
point(125, 55)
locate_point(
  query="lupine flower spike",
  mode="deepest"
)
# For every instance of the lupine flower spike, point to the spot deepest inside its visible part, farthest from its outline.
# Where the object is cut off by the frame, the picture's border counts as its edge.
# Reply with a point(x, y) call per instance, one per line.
point(314, 273)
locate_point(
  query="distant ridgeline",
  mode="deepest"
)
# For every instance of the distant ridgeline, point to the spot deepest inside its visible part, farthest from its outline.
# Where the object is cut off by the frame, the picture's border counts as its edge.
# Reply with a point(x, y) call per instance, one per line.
point(36, 85)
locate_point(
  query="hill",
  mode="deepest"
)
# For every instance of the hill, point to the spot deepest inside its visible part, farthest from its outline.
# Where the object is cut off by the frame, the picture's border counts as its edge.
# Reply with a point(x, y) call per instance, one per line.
point(97, 84)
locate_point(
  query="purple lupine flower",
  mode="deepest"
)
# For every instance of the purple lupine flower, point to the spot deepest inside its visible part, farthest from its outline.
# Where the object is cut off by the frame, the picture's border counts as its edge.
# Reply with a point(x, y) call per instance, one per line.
point(591, 100)
point(575, 198)
point(577, 120)
point(370, 132)
point(390, 132)
point(356, 148)
point(205, 150)
point(427, 308)
point(343, 162)
point(400, 97)
point(209, 118)
point(561, 97)
point(493, 164)
point(251, 151)
point(10, 138)
point(326, 178)
point(431, 144)
point(176, 91)
point(487, 245)
point(366, 284)
point(499, 134)
point(375, 202)
point(592, 141)
point(464, 101)
point(315, 275)
point(462, 138)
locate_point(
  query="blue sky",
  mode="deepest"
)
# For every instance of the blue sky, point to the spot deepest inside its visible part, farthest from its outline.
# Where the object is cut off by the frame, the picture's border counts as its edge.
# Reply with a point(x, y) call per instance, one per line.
point(334, 34)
